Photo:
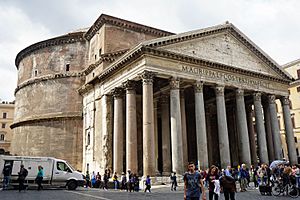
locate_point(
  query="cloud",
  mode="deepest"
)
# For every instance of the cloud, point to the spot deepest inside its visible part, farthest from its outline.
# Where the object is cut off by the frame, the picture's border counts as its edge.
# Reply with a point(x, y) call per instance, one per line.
point(17, 32)
point(272, 25)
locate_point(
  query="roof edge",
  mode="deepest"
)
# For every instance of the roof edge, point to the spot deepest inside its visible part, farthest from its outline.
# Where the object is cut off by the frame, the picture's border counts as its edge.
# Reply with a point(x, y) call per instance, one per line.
point(107, 19)
point(289, 64)
point(63, 39)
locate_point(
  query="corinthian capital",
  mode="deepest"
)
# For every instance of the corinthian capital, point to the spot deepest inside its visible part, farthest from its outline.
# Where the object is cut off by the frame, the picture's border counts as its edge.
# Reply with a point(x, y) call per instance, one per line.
point(285, 100)
point(257, 96)
point(164, 99)
point(117, 92)
point(174, 83)
point(239, 93)
point(129, 85)
point(198, 87)
point(219, 90)
point(147, 77)
point(271, 99)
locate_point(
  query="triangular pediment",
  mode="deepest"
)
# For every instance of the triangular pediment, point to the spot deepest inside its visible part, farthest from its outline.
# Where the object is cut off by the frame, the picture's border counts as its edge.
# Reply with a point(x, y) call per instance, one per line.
point(225, 49)
point(223, 44)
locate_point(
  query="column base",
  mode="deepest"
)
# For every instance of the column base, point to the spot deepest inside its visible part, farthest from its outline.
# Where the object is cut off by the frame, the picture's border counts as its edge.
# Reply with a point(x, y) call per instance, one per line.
point(166, 173)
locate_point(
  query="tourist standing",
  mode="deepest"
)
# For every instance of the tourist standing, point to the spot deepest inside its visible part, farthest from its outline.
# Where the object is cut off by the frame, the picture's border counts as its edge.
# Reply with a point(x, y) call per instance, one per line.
point(115, 180)
point(6, 175)
point(173, 181)
point(93, 180)
point(243, 176)
point(21, 177)
point(129, 181)
point(212, 176)
point(148, 184)
point(124, 182)
point(105, 179)
point(228, 186)
point(98, 180)
point(87, 179)
point(39, 177)
point(193, 184)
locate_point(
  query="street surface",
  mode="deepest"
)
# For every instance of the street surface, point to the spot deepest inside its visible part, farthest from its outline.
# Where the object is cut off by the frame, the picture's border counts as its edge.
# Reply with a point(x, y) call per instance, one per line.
point(94, 194)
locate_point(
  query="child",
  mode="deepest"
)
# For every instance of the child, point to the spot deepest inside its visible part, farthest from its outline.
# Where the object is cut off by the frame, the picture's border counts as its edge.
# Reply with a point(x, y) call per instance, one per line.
point(148, 184)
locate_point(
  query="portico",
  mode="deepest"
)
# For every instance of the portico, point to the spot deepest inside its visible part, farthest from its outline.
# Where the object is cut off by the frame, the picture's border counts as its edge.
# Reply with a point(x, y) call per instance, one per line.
point(196, 96)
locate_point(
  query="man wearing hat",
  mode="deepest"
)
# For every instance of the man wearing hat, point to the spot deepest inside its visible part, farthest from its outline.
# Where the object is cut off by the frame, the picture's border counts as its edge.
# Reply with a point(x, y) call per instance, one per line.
point(6, 173)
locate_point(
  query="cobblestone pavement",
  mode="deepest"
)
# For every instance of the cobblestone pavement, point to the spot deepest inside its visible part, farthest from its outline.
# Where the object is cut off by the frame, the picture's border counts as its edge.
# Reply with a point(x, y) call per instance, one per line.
point(159, 193)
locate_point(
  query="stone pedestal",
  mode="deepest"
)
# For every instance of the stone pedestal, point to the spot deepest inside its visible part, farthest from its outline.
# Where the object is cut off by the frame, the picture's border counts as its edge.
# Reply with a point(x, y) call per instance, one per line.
point(260, 129)
point(176, 129)
point(289, 134)
point(202, 149)
point(222, 128)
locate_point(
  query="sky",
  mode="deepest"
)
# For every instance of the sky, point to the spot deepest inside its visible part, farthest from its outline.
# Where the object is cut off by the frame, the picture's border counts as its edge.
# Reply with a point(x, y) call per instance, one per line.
point(273, 25)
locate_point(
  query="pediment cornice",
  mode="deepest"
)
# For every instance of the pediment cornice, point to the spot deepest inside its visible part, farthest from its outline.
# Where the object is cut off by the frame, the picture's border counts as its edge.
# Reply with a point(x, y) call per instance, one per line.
point(227, 27)
point(183, 58)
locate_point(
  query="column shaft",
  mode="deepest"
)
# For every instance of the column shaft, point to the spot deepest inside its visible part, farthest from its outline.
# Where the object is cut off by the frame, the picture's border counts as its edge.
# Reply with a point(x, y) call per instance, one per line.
point(289, 134)
point(269, 134)
point(148, 124)
point(118, 132)
point(201, 135)
point(131, 127)
point(176, 129)
point(184, 133)
point(106, 133)
point(242, 128)
point(222, 128)
point(275, 128)
point(260, 129)
point(251, 135)
point(156, 135)
point(165, 126)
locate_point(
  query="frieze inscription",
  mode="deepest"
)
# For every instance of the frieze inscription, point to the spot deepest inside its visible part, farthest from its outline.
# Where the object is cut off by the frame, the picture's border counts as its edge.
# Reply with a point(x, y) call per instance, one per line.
point(225, 77)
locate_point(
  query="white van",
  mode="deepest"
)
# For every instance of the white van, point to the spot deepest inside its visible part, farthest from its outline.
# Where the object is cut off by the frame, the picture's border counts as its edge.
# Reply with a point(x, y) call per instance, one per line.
point(57, 173)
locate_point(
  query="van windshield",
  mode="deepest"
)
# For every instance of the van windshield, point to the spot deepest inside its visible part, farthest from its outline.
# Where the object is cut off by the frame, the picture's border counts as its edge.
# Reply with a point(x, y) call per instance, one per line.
point(61, 166)
point(70, 166)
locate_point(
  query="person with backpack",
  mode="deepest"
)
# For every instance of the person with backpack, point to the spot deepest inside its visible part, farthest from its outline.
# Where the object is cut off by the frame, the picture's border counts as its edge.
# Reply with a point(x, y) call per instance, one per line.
point(22, 175)
point(6, 175)
point(228, 187)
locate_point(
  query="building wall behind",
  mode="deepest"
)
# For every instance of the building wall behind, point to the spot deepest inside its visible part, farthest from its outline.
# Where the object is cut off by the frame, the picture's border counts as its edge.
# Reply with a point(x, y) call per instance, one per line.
point(5, 130)
point(295, 108)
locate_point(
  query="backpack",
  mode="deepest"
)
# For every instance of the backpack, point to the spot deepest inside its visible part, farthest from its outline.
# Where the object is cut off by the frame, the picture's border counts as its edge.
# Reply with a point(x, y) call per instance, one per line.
point(25, 173)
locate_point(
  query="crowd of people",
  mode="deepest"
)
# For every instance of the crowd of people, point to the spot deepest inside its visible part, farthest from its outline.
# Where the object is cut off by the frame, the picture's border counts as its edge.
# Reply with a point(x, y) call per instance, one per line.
point(216, 180)
point(22, 174)
point(128, 182)
point(224, 181)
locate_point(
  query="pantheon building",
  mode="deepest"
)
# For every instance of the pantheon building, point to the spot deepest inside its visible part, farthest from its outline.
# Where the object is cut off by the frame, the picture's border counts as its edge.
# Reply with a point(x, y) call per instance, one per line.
point(120, 95)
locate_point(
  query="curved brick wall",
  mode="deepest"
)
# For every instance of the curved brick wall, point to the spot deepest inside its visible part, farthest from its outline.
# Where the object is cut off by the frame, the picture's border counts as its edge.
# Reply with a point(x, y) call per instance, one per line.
point(48, 108)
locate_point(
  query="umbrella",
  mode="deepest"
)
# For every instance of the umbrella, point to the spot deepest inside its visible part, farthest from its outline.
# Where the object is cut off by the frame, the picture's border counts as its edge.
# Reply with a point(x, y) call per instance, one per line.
point(275, 163)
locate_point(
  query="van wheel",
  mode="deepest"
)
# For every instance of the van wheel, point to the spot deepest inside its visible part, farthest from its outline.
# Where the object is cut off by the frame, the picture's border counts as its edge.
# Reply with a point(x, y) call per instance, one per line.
point(72, 185)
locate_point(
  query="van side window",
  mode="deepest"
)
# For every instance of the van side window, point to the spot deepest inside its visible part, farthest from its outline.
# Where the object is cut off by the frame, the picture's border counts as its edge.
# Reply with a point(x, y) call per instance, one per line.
point(62, 167)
